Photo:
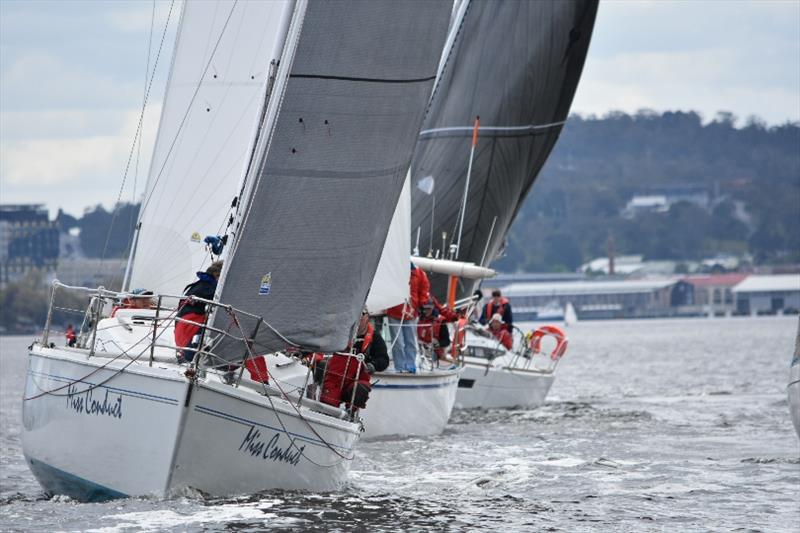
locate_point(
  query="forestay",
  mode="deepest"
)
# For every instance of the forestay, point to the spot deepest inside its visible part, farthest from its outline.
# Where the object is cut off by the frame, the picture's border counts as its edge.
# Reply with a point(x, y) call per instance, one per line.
point(516, 65)
point(327, 185)
point(216, 88)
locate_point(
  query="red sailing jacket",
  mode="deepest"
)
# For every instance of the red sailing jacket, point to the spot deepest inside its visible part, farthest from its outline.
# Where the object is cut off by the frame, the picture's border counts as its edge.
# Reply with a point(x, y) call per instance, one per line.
point(419, 293)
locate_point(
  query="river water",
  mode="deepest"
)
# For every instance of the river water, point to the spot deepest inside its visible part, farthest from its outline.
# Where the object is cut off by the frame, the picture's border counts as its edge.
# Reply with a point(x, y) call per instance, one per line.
point(656, 425)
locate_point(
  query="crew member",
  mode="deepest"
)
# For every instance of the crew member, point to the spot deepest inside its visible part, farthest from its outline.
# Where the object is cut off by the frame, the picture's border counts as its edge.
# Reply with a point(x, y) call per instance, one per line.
point(432, 330)
point(194, 311)
point(403, 322)
point(497, 329)
point(500, 305)
point(70, 334)
point(376, 356)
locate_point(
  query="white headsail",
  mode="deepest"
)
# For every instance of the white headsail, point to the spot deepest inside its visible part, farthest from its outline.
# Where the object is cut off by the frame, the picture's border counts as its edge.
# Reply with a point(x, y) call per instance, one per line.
point(390, 285)
point(214, 96)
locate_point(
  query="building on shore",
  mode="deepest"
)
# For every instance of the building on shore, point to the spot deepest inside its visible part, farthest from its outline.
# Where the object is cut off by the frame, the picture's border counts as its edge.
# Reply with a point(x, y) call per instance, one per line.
point(713, 293)
point(603, 299)
point(776, 294)
point(29, 242)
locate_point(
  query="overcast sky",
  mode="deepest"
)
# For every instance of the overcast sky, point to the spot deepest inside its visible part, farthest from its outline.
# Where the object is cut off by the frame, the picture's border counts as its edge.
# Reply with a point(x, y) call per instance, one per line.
point(72, 78)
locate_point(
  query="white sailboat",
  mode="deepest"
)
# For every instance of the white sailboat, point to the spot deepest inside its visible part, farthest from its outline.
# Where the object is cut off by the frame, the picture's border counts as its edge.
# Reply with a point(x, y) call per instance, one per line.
point(404, 404)
point(288, 107)
point(495, 377)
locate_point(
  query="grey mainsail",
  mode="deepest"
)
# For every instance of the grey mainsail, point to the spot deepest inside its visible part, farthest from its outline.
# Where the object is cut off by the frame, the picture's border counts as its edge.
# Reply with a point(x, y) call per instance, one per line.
point(324, 190)
point(516, 64)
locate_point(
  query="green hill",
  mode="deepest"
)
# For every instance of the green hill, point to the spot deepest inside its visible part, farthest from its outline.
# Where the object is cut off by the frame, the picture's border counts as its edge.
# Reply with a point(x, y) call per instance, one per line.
point(750, 176)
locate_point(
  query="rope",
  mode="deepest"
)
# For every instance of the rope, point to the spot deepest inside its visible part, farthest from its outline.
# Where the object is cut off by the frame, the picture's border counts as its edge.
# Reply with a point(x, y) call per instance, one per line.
point(188, 109)
point(297, 410)
point(96, 370)
point(138, 131)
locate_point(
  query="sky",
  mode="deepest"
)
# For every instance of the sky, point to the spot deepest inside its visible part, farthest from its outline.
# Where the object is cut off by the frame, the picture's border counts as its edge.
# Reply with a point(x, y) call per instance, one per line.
point(72, 81)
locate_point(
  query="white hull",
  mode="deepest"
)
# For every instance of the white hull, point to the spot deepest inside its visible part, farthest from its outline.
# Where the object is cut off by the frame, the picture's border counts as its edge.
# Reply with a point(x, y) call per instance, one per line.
point(495, 378)
point(111, 441)
point(236, 445)
point(146, 431)
point(410, 404)
point(793, 390)
point(501, 387)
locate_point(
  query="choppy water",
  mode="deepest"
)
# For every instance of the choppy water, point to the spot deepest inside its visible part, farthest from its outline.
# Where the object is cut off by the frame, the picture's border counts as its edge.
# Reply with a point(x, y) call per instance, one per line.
point(678, 425)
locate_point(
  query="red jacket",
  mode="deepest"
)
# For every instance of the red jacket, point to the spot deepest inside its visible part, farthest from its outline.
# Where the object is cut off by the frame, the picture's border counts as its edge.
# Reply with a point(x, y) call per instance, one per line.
point(419, 293)
point(504, 337)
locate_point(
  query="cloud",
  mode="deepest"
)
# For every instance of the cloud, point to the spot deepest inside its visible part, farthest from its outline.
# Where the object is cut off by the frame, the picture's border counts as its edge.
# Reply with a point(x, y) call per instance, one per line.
point(705, 56)
point(68, 166)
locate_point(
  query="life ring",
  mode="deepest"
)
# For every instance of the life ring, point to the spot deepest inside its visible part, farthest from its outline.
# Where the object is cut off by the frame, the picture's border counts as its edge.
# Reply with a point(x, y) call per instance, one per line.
point(561, 341)
point(459, 337)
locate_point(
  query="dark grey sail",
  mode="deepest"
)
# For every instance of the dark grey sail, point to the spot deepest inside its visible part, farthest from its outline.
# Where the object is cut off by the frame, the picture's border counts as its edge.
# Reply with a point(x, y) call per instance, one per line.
point(516, 64)
point(327, 186)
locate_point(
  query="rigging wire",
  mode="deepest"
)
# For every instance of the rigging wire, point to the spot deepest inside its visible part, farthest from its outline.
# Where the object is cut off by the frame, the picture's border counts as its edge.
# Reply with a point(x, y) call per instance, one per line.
point(138, 132)
point(149, 196)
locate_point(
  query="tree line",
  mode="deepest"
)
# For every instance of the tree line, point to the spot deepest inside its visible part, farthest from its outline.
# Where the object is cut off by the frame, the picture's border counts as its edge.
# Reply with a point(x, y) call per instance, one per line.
point(751, 172)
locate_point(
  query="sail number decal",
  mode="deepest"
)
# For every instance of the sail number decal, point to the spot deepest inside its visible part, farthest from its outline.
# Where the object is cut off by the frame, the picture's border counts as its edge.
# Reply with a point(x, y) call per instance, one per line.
point(85, 403)
point(269, 450)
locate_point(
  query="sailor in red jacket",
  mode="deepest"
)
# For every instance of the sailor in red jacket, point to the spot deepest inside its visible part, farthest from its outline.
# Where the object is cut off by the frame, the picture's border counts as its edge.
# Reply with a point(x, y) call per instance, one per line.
point(498, 304)
point(497, 329)
point(403, 322)
point(432, 330)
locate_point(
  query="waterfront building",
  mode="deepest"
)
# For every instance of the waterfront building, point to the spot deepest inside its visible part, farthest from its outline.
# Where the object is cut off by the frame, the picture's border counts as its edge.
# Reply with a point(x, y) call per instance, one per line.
point(604, 299)
point(768, 294)
point(29, 242)
point(713, 294)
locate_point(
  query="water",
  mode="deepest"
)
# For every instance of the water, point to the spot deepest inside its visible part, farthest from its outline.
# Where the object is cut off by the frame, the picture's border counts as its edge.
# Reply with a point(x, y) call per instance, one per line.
point(676, 425)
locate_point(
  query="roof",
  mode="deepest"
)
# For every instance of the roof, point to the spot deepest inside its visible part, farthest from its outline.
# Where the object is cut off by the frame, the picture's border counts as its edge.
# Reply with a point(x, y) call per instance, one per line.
point(716, 280)
point(775, 283)
point(588, 287)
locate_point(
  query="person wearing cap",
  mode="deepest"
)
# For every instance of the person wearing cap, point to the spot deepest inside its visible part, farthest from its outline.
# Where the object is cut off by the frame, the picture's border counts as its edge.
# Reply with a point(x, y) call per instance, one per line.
point(139, 299)
point(500, 305)
point(499, 332)
point(376, 356)
point(432, 331)
point(192, 313)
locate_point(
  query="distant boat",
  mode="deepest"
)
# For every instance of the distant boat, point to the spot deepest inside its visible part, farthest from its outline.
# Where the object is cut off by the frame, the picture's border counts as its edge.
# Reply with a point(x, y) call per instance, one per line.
point(793, 389)
point(570, 316)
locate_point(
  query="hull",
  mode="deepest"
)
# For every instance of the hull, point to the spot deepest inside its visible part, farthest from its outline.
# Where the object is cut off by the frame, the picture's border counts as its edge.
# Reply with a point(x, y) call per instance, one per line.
point(493, 387)
point(237, 443)
point(793, 391)
point(410, 404)
point(95, 429)
point(496, 378)
point(77, 439)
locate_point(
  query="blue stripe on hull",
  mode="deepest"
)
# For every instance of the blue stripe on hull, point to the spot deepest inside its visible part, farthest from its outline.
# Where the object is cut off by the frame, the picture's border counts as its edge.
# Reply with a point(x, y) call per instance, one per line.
point(423, 386)
point(56, 481)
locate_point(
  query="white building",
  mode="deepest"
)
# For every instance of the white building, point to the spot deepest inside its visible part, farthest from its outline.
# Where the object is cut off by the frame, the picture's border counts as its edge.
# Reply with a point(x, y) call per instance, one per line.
point(768, 294)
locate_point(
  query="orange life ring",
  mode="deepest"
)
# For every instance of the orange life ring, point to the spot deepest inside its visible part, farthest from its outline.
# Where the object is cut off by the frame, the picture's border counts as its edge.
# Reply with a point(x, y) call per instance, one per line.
point(459, 337)
point(553, 331)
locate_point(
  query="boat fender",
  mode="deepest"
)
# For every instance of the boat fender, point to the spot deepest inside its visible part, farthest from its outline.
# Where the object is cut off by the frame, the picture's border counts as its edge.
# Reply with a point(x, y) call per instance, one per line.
point(459, 337)
point(554, 331)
